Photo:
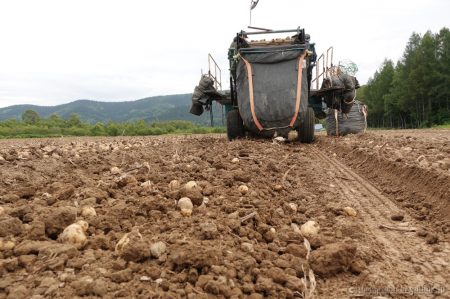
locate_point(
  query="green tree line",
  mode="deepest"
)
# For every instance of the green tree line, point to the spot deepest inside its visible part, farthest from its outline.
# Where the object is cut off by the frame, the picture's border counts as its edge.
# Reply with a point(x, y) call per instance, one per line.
point(414, 92)
point(32, 125)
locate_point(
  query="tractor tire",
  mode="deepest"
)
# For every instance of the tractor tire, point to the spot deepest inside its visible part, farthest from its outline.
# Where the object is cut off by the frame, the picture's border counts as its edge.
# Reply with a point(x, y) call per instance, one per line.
point(235, 126)
point(306, 129)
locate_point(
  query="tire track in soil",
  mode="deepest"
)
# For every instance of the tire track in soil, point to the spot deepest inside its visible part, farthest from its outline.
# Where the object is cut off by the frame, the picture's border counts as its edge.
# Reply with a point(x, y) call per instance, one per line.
point(406, 255)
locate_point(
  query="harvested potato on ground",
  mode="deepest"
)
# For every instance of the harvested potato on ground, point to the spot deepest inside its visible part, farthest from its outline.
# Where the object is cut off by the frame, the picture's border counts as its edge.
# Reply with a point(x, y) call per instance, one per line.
point(349, 211)
point(147, 185)
point(278, 187)
point(186, 206)
point(174, 185)
point(75, 234)
point(292, 136)
point(158, 249)
point(88, 211)
point(243, 189)
point(192, 185)
point(7, 245)
point(115, 170)
point(293, 206)
point(295, 228)
point(310, 229)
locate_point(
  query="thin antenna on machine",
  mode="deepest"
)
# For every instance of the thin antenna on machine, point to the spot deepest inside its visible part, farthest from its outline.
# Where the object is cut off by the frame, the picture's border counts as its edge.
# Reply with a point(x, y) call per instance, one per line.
point(253, 4)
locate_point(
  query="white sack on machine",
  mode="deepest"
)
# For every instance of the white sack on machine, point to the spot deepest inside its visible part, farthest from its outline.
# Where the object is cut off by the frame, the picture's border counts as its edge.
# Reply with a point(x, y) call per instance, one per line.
point(353, 122)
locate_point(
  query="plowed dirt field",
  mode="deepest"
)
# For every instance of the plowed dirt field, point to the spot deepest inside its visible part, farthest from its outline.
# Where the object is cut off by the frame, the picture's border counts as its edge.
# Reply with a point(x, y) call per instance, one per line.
point(237, 243)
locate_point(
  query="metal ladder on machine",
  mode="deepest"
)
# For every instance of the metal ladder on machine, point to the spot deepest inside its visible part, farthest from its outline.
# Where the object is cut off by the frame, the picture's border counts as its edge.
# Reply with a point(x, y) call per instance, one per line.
point(324, 68)
point(326, 72)
point(215, 73)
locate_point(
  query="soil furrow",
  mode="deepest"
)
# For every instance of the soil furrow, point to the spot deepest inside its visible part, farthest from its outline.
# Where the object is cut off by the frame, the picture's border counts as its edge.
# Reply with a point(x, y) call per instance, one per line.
point(242, 237)
point(398, 245)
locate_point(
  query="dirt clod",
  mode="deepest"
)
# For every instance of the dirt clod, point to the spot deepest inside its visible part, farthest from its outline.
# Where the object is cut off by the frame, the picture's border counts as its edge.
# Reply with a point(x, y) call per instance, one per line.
point(432, 239)
point(132, 247)
point(19, 291)
point(209, 231)
point(296, 250)
point(126, 180)
point(277, 275)
point(422, 233)
point(10, 226)
point(190, 255)
point(122, 276)
point(57, 219)
point(397, 217)
point(332, 259)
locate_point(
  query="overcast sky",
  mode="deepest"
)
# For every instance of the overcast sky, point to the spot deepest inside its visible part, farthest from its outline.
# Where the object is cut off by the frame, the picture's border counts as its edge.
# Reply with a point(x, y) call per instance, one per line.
point(57, 51)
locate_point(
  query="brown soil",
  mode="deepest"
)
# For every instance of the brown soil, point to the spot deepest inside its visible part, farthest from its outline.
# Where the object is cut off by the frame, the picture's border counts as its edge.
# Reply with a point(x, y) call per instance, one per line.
point(233, 245)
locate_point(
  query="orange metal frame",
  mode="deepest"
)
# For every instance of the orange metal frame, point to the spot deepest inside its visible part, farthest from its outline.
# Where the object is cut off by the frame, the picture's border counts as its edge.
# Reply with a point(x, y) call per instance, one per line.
point(217, 75)
point(324, 67)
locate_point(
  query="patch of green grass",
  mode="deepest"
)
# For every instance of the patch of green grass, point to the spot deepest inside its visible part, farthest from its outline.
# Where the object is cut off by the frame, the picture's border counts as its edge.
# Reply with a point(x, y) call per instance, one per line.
point(51, 128)
point(445, 126)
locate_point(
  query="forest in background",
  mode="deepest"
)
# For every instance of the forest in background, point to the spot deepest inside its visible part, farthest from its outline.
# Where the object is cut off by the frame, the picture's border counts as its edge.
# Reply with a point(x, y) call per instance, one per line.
point(151, 110)
point(415, 91)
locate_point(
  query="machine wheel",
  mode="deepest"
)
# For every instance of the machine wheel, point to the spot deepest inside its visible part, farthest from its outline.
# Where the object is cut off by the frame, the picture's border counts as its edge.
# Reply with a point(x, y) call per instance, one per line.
point(306, 129)
point(235, 126)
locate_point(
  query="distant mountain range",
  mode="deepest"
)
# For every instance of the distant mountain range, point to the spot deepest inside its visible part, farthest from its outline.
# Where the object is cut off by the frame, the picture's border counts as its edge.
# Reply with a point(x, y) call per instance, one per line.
point(152, 109)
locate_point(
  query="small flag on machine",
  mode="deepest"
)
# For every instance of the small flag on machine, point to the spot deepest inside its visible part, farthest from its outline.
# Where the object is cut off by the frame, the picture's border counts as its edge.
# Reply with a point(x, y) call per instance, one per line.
point(253, 4)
